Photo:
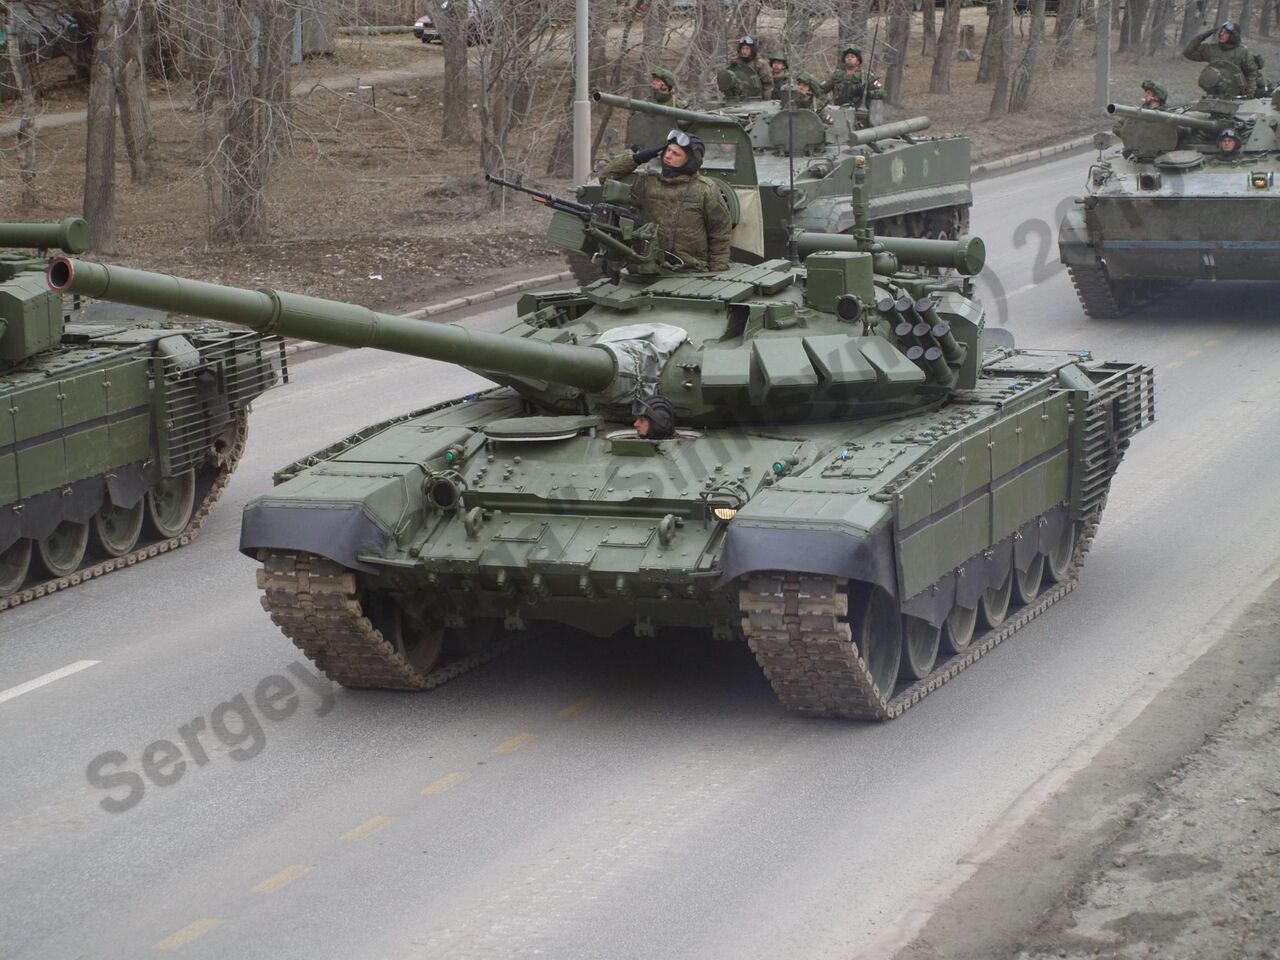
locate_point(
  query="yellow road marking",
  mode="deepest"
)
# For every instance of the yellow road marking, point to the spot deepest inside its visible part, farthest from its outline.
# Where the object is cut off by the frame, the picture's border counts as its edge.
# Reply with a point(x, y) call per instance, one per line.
point(515, 743)
point(1173, 363)
point(188, 933)
point(444, 784)
point(1209, 343)
point(366, 828)
point(573, 709)
point(283, 878)
point(1191, 353)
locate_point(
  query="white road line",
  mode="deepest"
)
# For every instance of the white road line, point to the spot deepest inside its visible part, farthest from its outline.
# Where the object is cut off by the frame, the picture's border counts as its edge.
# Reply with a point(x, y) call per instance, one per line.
point(38, 682)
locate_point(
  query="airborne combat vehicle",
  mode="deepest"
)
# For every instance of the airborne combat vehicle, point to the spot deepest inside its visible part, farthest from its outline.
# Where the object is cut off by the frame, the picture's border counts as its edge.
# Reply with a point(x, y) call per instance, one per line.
point(859, 485)
point(1166, 205)
point(121, 430)
point(774, 165)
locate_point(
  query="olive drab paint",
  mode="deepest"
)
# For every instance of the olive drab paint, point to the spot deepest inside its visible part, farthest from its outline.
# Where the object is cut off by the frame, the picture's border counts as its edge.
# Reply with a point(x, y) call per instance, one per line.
point(859, 469)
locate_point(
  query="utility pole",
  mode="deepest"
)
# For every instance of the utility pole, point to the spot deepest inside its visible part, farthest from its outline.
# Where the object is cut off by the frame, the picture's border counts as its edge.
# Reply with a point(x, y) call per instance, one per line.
point(581, 102)
point(1102, 56)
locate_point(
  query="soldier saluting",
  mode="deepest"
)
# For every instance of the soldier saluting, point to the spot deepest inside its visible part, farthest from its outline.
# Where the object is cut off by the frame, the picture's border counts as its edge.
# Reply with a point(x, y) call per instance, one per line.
point(1226, 49)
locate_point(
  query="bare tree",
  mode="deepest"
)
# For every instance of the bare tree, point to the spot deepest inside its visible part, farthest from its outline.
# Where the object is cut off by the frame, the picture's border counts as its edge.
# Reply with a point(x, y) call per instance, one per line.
point(455, 114)
point(706, 54)
point(940, 78)
point(1000, 46)
point(26, 142)
point(656, 16)
point(987, 58)
point(1064, 32)
point(1190, 15)
point(1024, 78)
point(897, 41)
point(131, 94)
point(100, 132)
point(929, 28)
point(851, 20)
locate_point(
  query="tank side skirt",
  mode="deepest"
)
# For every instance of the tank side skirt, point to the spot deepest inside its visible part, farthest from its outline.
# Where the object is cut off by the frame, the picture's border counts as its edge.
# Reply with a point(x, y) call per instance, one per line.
point(155, 548)
point(315, 603)
point(797, 628)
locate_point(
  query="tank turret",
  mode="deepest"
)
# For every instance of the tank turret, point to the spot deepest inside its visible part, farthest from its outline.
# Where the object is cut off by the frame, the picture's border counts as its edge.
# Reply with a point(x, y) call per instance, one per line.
point(1149, 133)
point(1168, 118)
point(31, 317)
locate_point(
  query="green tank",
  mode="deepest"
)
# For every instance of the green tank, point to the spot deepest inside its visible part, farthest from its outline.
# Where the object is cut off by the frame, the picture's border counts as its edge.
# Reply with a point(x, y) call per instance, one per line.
point(121, 428)
point(864, 484)
point(761, 155)
point(1166, 205)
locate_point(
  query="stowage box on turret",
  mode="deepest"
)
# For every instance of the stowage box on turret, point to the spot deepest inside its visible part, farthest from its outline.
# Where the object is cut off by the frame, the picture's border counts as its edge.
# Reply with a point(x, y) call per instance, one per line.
point(1168, 204)
point(859, 485)
point(119, 430)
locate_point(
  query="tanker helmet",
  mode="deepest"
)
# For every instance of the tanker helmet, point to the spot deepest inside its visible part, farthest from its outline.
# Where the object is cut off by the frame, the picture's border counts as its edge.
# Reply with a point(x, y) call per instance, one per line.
point(658, 411)
point(1229, 141)
point(1233, 30)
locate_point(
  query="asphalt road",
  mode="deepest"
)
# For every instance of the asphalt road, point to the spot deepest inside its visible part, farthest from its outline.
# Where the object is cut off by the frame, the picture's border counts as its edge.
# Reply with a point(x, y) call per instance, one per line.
point(580, 799)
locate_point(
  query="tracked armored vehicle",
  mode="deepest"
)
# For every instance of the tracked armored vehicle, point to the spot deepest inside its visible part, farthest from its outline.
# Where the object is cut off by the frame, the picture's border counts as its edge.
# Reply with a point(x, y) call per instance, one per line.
point(1166, 205)
point(860, 485)
point(121, 428)
point(768, 159)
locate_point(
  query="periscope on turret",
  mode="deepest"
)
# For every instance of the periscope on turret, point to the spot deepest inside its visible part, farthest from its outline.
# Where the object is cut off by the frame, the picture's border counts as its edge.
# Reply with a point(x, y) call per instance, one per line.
point(861, 484)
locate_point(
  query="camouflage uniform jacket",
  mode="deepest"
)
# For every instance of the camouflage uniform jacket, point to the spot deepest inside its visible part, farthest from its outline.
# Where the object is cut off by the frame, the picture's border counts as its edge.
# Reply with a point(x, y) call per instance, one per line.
point(846, 88)
point(670, 100)
point(754, 79)
point(1207, 51)
point(693, 221)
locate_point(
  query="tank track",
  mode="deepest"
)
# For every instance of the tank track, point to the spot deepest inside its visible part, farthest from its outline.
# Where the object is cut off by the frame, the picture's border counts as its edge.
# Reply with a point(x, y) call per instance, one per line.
point(97, 569)
point(794, 626)
point(316, 604)
point(1095, 293)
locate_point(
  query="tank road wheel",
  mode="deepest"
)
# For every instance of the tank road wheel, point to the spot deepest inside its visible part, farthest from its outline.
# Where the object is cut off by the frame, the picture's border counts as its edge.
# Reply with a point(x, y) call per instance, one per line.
point(116, 530)
point(993, 605)
point(479, 634)
point(1057, 565)
point(420, 644)
point(878, 632)
point(958, 628)
point(170, 504)
point(920, 641)
point(1026, 585)
point(14, 564)
point(62, 552)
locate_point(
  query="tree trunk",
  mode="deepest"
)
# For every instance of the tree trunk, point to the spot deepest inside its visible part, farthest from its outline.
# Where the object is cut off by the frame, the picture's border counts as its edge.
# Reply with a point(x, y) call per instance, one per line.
point(1001, 50)
point(929, 28)
point(131, 94)
point(613, 82)
point(1189, 22)
point(1246, 13)
point(455, 113)
point(1224, 10)
point(100, 133)
point(987, 58)
point(797, 31)
point(1064, 32)
point(1024, 79)
point(851, 20)
point(26, 142)
point(203, 21)
point(656, 17)
point(897, 42)
point(1158, 35)
point(706, 54)
point(940, 79)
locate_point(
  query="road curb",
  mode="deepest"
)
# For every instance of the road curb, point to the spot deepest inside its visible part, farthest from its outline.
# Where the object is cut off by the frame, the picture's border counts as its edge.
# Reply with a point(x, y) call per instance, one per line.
point(1030, 156)
point(457, 303)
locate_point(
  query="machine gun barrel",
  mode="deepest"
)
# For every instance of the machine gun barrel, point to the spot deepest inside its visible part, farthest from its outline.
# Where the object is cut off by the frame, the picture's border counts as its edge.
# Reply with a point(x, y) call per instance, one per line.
point(550, 199)
point(884, 131)
point(965, 255)
point(70, 236)
point(1203, 124)
point(662, 110)
point(341, 324)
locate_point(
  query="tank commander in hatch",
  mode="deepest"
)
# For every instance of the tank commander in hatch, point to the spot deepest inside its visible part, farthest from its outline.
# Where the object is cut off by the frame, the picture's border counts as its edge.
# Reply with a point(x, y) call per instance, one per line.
point(746, 78)
point(805, 96)
point(692, 219)
point(780, 72)
point(1226, 47)
point(850, 84)
point(1154, 96)
point(1229, 144)
point(662, 88)
point(655, 418)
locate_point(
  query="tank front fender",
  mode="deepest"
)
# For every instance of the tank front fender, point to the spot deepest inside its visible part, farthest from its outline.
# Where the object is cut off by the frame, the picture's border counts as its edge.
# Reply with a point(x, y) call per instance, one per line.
point(338, 531)
point(753, 548)
point(1074, 247)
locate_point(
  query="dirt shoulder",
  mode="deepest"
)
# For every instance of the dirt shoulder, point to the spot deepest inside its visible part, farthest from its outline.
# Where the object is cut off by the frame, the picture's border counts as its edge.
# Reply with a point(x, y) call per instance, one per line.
point(1167, 845)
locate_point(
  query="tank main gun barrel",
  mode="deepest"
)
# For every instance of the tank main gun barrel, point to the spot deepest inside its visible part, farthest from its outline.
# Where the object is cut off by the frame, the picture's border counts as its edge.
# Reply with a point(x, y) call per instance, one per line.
point(885, 131)
point(966, 255)
point(70, 236)
point(662, 110)
point(1169, 119)
point(341, 324)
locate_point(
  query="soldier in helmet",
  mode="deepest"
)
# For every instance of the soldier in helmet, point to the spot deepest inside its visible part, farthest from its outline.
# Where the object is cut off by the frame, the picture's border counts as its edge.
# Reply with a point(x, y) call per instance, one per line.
point(850, 85)
point(1226, 47)
point(805, 96)
point(1154, 96)
point(746, 78)
point(655, 418)
point(693, 221)
point(1229, 143)
point(662, 84)
point(780, 73)
point(1261, 86)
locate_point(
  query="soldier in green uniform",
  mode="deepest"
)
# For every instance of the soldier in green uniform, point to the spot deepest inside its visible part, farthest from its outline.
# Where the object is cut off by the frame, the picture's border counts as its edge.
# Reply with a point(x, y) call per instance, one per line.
point(1154, 96)
point(780, 73)
point(1227, 47)
point(1260, 82)
point(693, 221)
point(662, 83)
point(746, 78)
point(849, 85)
point(806, 96)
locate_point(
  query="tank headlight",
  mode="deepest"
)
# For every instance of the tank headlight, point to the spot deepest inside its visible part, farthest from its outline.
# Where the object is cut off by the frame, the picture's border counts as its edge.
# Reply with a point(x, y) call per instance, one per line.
point(1261, 179)
point(725, 513)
